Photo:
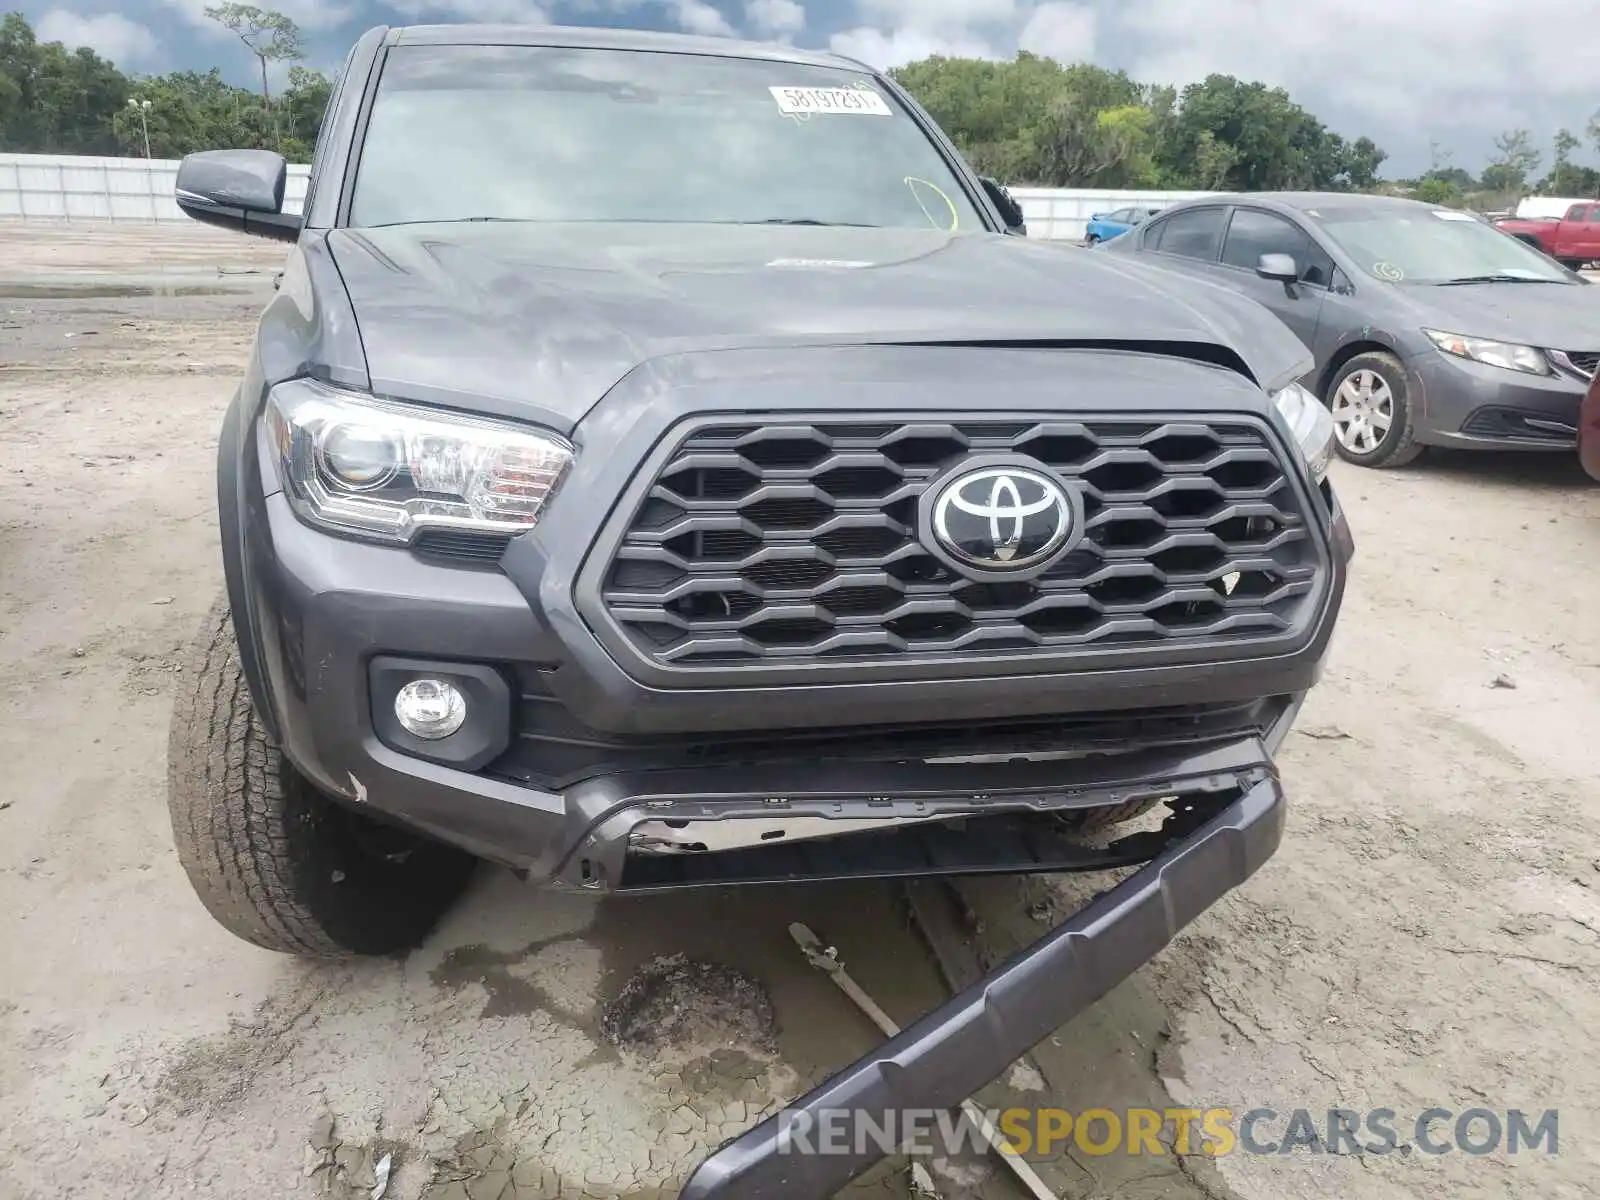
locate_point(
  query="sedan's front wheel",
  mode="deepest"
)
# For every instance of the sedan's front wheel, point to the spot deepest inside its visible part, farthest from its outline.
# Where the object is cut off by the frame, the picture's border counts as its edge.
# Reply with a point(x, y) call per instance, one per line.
point(1373, 420)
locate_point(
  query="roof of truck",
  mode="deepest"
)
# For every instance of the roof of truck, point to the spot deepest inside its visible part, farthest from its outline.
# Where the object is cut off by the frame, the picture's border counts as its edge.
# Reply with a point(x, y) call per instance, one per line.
point(600, 38)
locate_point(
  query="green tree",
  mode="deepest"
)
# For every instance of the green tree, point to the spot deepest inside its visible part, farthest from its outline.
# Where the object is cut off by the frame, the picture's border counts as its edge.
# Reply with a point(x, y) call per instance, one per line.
point(1275, 144)
point(1564, 143)
point(1435, 190)
point(192, 110)
point(1515, 159)
point(54, 100)
point(270, 36)
point(1457, 177)
point(1212, 161)
point(304, 103)
point(1028, 120)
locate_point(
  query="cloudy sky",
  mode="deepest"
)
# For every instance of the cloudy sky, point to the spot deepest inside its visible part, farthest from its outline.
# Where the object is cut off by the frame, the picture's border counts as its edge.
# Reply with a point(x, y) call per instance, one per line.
point(1405, 72)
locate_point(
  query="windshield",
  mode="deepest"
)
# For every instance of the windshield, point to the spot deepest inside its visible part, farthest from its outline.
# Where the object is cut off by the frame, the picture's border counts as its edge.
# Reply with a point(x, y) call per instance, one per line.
point(1431, 245)
point(538, 133)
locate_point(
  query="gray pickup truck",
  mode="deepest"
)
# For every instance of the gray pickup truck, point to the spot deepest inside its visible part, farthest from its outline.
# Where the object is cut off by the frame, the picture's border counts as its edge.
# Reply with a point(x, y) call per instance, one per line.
point(666, 464)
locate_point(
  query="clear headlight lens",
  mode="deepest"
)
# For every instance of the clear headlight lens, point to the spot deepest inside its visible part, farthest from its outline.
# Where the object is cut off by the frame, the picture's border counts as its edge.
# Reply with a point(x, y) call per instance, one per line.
point(384, 470)
point(1311, 424)
point(1491, 353)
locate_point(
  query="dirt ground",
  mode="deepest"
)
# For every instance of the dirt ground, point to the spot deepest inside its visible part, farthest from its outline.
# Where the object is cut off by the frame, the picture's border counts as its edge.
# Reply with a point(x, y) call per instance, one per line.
point(1428, 936)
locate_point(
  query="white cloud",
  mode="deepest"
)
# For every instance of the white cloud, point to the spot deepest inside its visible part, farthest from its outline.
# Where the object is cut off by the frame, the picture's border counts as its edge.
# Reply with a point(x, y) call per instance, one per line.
point(1471, 67)
point(895, 32)
point(775, 18)
point(936, 14)
point(509, 12)
point(696, 16)
point(1452, 71)
point(109, 35)
point(886, 50)
point(1064, 32)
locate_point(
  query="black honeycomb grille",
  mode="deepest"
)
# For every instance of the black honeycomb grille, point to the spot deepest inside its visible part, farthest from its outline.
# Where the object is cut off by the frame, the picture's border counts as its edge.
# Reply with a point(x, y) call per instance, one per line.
point(796, 543)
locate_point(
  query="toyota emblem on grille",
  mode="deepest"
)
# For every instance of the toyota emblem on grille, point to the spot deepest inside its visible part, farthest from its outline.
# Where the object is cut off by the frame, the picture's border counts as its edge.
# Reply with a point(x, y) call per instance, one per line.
point(1003, 518)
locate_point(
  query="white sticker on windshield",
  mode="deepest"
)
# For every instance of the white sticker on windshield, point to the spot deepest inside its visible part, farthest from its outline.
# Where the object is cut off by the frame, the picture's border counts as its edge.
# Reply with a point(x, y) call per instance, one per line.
point(1450, 214)
point(804, 101)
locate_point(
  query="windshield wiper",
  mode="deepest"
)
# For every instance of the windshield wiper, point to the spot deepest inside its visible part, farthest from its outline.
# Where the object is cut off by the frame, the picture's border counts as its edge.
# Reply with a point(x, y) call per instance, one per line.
point(1500, 278)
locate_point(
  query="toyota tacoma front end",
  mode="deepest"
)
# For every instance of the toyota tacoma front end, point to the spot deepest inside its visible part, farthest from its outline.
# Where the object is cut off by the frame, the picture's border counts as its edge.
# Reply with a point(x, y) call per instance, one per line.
point(664, 464)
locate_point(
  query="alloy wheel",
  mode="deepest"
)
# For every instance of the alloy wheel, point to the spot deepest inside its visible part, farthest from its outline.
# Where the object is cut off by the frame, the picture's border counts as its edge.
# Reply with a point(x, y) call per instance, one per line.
point(1363, 411)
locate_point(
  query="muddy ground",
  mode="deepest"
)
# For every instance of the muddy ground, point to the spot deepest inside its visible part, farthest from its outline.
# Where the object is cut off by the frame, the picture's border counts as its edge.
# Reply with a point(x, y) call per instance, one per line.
point(1429, 935)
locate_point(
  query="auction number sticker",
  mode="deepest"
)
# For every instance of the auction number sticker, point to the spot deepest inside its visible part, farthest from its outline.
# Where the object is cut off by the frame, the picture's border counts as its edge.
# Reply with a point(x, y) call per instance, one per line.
point(804, 101)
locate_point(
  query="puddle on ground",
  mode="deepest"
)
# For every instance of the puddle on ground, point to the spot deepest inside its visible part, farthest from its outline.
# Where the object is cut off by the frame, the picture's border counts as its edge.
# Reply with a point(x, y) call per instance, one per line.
point(706, 993)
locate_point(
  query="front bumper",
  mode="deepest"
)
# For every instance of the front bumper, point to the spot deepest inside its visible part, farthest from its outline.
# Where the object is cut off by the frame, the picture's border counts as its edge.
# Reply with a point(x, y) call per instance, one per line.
point(593, 759)
point(1468, 405)
point(336, 617)
point(956, 1050)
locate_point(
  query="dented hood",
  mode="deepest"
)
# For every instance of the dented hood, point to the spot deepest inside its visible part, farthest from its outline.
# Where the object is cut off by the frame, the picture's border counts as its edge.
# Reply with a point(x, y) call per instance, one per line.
point(543, 319)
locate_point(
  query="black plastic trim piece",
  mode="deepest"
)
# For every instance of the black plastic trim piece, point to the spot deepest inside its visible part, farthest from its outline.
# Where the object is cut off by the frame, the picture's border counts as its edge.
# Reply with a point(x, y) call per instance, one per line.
point(954, 1051)
point(232, 449)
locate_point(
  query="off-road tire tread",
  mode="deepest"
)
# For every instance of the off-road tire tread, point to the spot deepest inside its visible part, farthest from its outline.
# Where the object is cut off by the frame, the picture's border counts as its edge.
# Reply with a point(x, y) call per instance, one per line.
point(246, 825)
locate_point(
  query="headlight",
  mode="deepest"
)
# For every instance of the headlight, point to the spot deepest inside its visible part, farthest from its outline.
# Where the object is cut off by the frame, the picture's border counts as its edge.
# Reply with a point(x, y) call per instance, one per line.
point(1494, 354)
point(383, 470)
point(1311, 424)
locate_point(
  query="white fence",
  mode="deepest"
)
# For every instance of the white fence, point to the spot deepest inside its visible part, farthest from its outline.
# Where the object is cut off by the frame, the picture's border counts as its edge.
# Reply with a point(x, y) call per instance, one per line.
point(67, 188)
point(1060, 214)
point(79, 188)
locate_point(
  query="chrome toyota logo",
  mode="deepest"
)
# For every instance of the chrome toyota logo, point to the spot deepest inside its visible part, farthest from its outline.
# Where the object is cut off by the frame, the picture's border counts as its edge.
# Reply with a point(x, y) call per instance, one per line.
point(1003, 518)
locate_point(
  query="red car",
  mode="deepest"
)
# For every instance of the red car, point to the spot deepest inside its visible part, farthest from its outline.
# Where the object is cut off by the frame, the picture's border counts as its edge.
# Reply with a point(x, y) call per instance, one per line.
point(1589, 428)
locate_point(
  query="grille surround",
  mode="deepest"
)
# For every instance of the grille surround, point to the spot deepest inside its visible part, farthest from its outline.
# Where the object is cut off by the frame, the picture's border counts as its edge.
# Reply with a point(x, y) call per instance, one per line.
point(813, 533)
point(1583, 363)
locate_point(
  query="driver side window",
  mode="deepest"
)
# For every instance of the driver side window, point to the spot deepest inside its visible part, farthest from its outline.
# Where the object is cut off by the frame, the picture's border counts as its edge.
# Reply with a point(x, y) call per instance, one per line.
point(1252, 233)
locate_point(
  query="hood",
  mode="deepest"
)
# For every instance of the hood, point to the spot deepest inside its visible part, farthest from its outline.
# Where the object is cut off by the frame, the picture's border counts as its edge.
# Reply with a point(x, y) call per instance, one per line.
point(541, 320)
point(1551, 316)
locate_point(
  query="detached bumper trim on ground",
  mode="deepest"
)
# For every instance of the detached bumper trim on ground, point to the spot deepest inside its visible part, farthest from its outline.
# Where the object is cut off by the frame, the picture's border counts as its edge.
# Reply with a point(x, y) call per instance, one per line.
point(954, 1051)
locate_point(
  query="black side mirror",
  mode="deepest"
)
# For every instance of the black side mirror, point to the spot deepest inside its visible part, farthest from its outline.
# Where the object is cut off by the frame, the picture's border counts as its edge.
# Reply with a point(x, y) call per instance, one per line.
point(237, 189)
point(1010, 210)
point(1281, 267)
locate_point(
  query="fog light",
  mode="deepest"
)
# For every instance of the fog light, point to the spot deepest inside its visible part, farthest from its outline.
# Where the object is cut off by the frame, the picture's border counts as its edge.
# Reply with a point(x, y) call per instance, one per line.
point(430, 708)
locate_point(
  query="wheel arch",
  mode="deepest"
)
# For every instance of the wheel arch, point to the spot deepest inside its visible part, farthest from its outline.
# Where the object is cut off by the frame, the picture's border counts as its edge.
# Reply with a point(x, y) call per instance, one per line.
point(1343, 355)
point(232, 513)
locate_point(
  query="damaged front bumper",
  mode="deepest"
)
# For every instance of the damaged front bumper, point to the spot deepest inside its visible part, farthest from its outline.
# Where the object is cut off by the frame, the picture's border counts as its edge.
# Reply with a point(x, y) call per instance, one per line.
point(953, 1052)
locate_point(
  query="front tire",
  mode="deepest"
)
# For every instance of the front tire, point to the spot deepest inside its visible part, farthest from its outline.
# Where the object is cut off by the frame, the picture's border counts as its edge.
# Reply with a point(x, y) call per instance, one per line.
point(273, 860)
point(1373, 419)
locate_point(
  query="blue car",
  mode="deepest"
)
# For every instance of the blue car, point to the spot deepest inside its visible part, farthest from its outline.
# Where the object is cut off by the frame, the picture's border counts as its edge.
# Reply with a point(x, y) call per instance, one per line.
point(1105, 226)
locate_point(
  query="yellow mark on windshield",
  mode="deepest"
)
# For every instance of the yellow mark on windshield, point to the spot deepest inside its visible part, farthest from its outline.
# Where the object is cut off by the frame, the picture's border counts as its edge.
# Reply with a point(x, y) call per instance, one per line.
point(955, 216)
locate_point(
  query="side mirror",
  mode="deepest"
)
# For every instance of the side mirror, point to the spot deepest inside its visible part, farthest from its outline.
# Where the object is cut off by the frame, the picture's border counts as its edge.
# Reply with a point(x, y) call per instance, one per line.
point(1281, 267)
point(1010, 210)
point(237, 189)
